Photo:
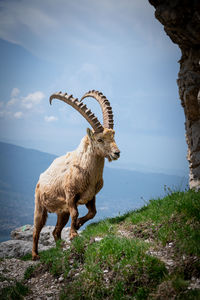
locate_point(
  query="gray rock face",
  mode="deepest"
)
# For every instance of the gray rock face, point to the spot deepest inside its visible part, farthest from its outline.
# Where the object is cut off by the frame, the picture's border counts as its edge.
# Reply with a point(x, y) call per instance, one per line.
point(181, 20)
point(21, 242)
point(12, 270)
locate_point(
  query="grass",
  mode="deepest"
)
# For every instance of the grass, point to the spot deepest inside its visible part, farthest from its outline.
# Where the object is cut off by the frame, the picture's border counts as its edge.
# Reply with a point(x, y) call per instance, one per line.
point(178, 217)
point(114, 267)
point(118, 267)
point(56, 259)
point(121, 267)
point(26, 257)
point(29, 271)
point(14, 292)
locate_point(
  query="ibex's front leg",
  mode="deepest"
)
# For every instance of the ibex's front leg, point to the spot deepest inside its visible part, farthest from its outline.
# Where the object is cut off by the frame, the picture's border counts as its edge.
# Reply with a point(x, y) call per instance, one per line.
point(74, 215)
point(90, 215)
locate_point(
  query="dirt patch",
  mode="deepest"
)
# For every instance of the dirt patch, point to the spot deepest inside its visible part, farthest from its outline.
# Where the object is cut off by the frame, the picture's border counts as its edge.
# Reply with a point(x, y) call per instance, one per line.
point(43, 285)
point(12, 270)
point(145, 231)
point(165, 291)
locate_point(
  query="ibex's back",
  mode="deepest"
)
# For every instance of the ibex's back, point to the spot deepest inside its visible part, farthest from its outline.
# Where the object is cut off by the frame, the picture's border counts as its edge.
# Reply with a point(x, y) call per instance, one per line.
point(76, 177)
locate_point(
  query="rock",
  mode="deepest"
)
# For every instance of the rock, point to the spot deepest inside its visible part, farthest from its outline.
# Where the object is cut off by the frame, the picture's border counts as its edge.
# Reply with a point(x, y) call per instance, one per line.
point(181, 20)
point(13, 269)
point(46, 238)
point(98, 239)
point(194, 284)
point(60, 279)
point(16, 248)
point(21, 242)
point(23, 233)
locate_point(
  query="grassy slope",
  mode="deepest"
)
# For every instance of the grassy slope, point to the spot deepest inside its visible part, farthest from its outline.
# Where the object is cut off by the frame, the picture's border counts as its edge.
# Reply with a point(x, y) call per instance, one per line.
point(151, 253)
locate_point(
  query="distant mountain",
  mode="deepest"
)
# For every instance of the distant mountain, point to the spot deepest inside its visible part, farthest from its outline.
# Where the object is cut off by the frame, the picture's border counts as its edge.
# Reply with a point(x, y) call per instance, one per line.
point(123, 189)
point(20, 170)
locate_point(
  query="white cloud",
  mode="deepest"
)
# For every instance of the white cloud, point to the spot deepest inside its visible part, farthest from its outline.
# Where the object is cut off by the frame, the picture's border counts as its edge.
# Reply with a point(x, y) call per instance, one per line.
point(32, 99)
point(18, 114)
point(15, 92)
point(18, 106)
point(12, 101)
point(26, 23)
point(50, 118)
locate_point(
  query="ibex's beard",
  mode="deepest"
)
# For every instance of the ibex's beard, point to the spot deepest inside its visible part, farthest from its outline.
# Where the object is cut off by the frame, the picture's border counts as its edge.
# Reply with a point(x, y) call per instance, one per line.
point(111, 157)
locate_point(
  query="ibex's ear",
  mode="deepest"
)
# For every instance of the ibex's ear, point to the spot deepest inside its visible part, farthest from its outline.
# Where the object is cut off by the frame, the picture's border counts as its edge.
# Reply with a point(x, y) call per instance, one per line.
point(90, 133)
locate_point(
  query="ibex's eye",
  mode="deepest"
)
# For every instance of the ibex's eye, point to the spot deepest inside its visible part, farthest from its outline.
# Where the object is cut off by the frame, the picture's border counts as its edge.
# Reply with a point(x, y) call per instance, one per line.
point(100, 141)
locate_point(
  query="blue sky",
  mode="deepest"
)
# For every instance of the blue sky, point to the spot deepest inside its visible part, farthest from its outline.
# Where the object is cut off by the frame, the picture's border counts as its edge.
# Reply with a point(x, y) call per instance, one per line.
point(115, 46)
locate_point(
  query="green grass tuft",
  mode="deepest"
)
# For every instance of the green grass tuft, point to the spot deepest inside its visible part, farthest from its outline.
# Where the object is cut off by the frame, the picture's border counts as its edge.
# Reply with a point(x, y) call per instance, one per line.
point(178, 217)
point(114, 267)
point(101, 228)
point(26, 257)
point(14, 292)
point(189, 295)
point(56, 259)
point(29, 271)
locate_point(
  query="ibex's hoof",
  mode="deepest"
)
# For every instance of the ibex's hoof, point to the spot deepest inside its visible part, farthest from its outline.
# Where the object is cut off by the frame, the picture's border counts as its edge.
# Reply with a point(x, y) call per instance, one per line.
point(73, 235)
point(35, 257)
point(56, 237)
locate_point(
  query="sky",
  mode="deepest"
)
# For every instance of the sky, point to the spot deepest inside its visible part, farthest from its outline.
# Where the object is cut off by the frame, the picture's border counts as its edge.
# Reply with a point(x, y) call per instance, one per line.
point(114, 46)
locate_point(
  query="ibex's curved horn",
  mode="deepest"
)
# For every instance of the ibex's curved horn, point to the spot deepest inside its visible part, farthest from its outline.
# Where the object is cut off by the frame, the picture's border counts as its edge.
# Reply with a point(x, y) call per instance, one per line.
point(105, 106)
point(80, 107)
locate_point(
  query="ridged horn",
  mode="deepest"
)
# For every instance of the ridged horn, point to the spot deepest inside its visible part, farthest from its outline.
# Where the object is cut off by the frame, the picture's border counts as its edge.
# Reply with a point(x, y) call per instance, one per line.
point(80, 107)
point(105, 107)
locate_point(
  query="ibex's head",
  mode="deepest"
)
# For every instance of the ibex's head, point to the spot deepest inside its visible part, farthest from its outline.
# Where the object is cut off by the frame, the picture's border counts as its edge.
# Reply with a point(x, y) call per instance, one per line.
point(104, 144)
point(101, 137)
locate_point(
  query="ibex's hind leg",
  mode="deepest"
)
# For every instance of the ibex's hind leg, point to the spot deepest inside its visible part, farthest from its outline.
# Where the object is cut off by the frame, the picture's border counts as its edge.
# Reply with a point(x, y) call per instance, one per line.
point(40, 217)
point(62, 220)
point(91, 206)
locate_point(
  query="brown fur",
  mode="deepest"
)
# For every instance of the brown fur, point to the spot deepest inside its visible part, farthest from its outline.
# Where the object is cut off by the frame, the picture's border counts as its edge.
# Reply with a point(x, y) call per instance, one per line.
point(72, 180)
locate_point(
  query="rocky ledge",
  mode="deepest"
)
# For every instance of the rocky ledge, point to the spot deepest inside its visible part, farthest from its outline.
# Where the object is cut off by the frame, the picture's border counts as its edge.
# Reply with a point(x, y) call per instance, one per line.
point(21, 241)
point(12, 269)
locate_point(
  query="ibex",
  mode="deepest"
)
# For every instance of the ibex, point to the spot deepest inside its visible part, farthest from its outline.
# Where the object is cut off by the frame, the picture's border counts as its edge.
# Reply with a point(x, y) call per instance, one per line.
point(75, 178)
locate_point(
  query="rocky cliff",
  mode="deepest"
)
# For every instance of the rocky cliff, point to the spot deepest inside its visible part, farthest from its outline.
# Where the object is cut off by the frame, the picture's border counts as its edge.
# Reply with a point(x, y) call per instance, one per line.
point(181, 20)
